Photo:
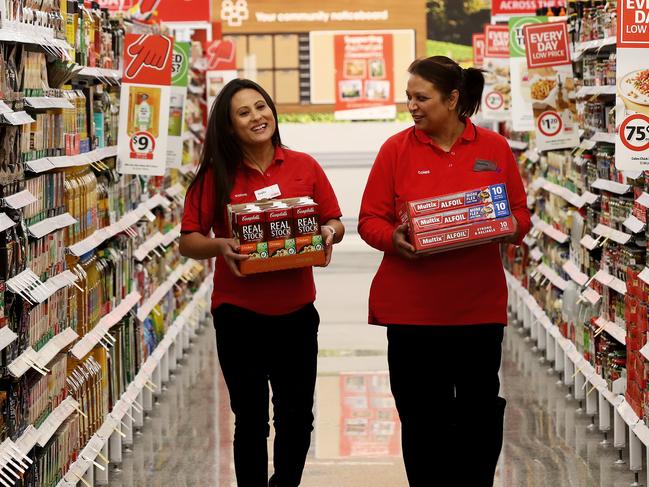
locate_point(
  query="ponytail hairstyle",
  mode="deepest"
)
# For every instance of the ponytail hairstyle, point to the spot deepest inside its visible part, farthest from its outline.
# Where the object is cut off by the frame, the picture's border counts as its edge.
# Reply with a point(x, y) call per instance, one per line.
point(447, 75)
point(222, 151)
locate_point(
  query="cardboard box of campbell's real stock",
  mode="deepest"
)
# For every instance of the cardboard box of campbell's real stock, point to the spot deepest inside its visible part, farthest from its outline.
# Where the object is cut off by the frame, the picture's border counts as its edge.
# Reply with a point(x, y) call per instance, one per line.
point(277, 234)
point(456, 220)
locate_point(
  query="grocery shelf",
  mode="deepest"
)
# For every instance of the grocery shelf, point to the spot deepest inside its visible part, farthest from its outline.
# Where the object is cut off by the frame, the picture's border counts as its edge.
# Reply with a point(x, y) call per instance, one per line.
point(17, 118)
point(55, 419)
point(49, 225)
point(163, 289)
point(604, 137)
point(549, 230)
point(581, 47)
point(517, 144)
point(7, 337)
point(30, 358)
point(552, 276)
point(148, 246)
point(634, 224)
point(112, 421)
point(22, 33)
point(47, 102)
point(575, 274)
point(570, 196)
point(612, 329)
point(610, 281)
point(610, 233)
point(596, 90)
point(5, 222)
point(19, 200)
point(109, 75)
point(101, 329)
point(611, 186)
point(60, 162)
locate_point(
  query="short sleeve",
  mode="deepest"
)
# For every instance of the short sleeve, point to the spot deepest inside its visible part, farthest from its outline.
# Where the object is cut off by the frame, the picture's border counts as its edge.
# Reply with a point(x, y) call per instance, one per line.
point(200, 202)
point(324, 195)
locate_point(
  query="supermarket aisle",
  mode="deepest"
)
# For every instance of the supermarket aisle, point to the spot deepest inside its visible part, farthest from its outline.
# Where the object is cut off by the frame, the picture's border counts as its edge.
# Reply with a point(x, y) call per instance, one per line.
point(356, 441)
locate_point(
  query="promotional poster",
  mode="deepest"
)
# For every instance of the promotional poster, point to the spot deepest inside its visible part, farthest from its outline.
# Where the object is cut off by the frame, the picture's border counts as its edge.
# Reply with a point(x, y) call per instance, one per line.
point(522, 113)
point(364, 77)
point(496, 96)
point(478, 50)
point(221, 67)
point(632, 73)
point(145, 93)
point(552, 85)
point(179, 81)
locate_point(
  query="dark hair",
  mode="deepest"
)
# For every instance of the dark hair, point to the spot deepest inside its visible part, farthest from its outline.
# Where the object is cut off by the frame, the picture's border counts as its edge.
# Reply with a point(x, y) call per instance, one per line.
point(447, 75)
point(221, 150)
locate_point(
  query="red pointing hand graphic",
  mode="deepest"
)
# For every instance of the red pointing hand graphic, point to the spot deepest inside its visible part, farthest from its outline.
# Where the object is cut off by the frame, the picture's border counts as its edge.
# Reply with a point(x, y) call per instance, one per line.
point(221, 55)
point(150, 51)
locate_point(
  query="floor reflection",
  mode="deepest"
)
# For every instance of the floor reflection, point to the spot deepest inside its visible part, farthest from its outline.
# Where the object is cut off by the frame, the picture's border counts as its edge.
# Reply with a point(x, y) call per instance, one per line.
point(187, 439)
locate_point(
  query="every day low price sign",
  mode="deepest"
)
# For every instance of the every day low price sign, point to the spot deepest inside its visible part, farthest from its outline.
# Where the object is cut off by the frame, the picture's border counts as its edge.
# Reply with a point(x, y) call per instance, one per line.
point(522, 113)
point(632, 73)
point(144, 104)
point(496, 96)
point(551, 85)
point(179, 81)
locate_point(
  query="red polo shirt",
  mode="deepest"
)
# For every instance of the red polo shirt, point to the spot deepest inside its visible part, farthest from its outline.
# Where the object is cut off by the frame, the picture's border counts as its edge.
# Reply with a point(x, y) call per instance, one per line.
point(272, 293)
point(460, 287)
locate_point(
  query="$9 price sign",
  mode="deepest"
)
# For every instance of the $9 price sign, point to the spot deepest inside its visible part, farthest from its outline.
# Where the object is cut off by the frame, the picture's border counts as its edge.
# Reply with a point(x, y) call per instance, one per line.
point(634, 132)
point(142, 144)
point(549, 123)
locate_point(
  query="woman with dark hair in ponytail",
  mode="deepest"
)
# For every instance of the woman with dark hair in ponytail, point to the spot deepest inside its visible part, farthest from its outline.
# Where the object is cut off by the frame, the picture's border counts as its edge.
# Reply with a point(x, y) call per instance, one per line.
point(266, 324)
point(445, 313)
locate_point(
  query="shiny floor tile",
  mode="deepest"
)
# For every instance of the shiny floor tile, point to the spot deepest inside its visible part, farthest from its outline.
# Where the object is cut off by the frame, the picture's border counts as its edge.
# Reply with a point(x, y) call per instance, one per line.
point(187, 438)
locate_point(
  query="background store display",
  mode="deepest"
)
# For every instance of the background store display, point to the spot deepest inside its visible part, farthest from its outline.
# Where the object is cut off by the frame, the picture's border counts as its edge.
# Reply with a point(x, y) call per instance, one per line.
point(92, 286)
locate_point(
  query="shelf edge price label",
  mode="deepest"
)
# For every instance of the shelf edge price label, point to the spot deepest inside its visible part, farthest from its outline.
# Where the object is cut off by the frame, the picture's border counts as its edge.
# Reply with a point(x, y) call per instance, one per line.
point(142, 145)
point(549, 123)
point(634, 132)
point(494, 100)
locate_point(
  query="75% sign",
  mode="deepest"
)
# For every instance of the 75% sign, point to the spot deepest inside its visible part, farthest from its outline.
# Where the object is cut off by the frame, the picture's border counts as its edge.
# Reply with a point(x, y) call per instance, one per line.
point(634, 132)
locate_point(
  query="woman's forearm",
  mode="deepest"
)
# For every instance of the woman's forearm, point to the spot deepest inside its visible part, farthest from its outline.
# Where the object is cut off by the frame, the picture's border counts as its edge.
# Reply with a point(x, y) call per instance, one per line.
point(198, 246)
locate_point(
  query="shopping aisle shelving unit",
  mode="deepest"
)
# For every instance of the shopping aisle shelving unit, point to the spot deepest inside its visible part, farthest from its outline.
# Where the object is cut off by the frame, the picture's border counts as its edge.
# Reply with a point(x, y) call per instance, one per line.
point(97, 307)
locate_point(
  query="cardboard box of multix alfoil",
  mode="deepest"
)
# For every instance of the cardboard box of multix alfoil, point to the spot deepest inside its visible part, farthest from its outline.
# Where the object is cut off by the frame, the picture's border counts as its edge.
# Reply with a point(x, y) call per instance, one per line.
point(463, 219)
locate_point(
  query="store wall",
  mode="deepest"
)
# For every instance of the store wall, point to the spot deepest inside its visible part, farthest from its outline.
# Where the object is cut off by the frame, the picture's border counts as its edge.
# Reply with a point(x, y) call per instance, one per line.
point(273, 40)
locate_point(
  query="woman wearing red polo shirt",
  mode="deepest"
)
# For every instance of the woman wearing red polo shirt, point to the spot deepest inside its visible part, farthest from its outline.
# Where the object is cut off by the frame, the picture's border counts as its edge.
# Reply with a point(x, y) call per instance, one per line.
point(266, 324)
point(444, 313)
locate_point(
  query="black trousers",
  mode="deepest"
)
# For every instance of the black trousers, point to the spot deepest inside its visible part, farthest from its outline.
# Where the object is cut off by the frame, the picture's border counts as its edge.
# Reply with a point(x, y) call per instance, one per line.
point(445, 383)
point(257, 349)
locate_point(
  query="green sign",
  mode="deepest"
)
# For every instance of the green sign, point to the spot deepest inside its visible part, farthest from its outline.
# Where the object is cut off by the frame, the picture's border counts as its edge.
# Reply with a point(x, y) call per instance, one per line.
point(180, 64)
point(516, 38)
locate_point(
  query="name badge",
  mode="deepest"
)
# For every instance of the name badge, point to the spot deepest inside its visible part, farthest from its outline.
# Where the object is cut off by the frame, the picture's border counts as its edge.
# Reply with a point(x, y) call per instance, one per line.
point(267, 193)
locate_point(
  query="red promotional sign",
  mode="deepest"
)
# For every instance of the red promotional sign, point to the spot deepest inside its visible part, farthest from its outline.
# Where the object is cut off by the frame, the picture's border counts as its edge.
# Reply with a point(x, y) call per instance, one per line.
point(633, 23)
point(163, 10)
point(547, 44)
point(220, 55)
point(522, 7)
point(478, 50)
point(364, 70)
point(184, 10)
point(496, 41)
point(147, 59)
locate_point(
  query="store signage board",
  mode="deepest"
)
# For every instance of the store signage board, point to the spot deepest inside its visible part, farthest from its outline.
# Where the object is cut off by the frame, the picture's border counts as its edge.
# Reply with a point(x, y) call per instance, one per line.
point(632, 74)
point(162, 10)
point(501, 9)
point(522, 113)
point(144, 104)
point(478, 50)
point(552, 85)
point(364, 81)
point(496, 96)
point(221, 67)
point(178, 98)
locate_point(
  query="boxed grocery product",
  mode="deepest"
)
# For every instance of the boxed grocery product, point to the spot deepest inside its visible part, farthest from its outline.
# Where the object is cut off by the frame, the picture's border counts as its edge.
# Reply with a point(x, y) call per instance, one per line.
point(478, 196)
point(277, 234)
point(462, 236)
point(464, 219)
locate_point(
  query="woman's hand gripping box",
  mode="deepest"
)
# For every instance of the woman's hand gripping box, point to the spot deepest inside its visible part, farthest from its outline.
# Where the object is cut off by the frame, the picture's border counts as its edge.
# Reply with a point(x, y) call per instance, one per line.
point(277, 234)
point(458, 220)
